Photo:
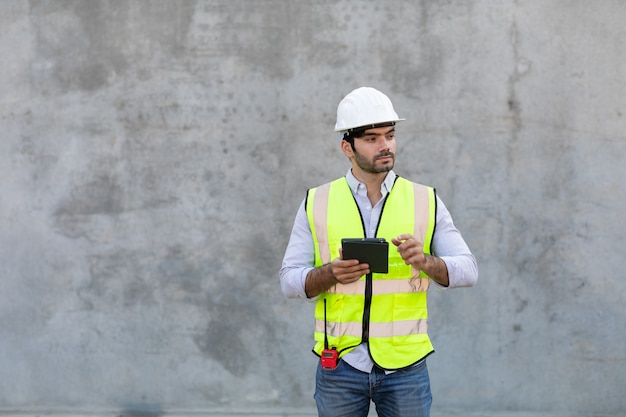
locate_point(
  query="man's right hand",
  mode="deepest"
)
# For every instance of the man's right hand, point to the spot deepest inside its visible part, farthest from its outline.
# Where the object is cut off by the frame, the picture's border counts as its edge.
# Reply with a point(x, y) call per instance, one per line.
point(339, 271)
point(346, 271)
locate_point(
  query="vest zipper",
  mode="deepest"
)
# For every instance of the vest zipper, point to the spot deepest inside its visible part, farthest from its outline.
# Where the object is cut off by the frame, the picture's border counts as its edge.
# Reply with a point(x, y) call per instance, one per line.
point(367, 307)
point(369, 278)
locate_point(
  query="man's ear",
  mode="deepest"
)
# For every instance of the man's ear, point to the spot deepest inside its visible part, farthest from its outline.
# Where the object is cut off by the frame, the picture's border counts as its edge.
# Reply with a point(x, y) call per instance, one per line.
point(347, 148)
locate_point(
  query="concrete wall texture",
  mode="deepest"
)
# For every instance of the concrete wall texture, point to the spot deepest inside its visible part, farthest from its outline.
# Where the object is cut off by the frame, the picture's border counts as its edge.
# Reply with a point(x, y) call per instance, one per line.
point(153, 155)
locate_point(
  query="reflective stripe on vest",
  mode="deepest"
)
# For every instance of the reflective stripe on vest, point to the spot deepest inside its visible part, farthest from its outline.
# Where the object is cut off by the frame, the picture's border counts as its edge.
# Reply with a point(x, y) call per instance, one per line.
point(396, 324)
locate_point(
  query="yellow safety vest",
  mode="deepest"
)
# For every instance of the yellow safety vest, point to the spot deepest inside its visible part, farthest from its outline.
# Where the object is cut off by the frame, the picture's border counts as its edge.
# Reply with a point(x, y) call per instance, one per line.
point(388, 311)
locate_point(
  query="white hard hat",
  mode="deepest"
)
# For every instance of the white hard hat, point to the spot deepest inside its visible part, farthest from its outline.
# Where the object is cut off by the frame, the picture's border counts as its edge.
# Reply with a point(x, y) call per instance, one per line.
point(363, 107)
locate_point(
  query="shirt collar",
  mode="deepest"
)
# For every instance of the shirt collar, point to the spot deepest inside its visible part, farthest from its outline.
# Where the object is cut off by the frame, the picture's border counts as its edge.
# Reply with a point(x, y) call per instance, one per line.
point(385, 187)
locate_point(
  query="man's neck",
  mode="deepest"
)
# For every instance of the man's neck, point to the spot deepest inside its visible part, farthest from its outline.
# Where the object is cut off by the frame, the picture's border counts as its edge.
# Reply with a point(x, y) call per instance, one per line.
point(373, 182)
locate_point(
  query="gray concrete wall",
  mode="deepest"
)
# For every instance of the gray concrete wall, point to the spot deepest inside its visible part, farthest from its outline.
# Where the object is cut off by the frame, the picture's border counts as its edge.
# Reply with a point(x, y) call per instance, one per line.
point(153, 154)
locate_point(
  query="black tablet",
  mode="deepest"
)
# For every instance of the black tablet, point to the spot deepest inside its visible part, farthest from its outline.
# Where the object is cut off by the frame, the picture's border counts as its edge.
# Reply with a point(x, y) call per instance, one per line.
point(371, 251)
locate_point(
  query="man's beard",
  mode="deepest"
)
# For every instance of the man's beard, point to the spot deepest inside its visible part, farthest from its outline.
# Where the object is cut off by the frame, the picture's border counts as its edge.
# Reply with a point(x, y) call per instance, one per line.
point(370, 166)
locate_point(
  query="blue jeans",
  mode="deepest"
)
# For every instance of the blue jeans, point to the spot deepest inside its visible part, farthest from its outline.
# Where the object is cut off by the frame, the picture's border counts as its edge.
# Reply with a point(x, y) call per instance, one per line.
point(346, 392)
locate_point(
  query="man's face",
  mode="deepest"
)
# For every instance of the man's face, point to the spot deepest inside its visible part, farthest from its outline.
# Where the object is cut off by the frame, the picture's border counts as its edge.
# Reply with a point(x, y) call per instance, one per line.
point(374, 152)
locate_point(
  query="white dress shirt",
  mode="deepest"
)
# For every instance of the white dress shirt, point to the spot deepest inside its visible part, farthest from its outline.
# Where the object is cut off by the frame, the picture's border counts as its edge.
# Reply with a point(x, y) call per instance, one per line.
point(447, 243)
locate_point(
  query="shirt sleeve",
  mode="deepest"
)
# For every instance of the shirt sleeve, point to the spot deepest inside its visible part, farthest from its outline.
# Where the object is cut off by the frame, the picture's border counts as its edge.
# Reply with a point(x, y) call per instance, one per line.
point(299, 257)
point(449, 245)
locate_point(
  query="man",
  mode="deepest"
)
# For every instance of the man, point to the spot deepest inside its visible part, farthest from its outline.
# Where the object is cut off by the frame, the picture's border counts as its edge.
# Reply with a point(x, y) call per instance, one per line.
point(374, 323)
